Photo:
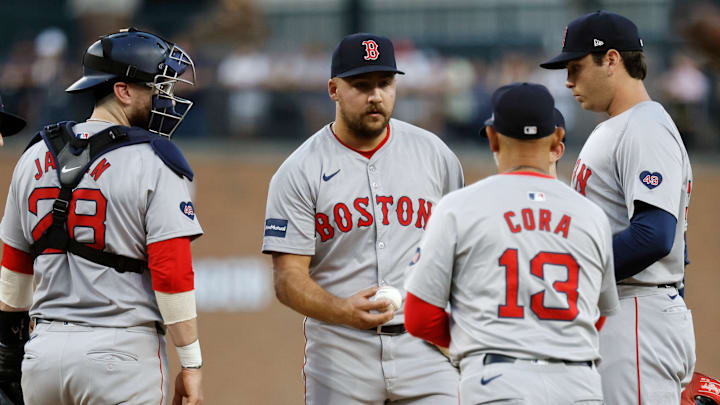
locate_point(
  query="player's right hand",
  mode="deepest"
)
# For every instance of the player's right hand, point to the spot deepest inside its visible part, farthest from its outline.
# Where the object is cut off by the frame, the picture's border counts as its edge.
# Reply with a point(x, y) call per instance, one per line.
point(358, 306)
point(188, 384)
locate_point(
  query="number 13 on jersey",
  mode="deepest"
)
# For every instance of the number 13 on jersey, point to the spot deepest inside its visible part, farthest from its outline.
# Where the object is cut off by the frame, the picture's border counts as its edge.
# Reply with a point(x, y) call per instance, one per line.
point(511, 308)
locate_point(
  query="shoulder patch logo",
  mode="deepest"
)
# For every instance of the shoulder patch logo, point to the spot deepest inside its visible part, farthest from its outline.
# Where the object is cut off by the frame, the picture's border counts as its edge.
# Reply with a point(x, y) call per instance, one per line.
point(276, 227)
point(415, 258)
point(650, 180)
point(187, 209)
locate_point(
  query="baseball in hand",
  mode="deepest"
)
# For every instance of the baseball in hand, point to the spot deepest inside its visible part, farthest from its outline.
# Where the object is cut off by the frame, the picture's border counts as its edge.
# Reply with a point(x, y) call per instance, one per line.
point(390, 293)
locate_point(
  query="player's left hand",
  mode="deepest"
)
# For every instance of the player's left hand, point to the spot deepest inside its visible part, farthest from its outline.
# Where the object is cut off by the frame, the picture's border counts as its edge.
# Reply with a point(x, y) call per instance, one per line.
point(188, 384)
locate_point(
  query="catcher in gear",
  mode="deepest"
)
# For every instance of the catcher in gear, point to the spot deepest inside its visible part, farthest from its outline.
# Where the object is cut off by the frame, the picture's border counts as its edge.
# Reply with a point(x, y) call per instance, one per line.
point(96, 231)
point(702, 390)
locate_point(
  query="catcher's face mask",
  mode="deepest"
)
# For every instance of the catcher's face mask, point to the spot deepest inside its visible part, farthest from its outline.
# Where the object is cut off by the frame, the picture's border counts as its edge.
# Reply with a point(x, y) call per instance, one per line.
point(168, 110)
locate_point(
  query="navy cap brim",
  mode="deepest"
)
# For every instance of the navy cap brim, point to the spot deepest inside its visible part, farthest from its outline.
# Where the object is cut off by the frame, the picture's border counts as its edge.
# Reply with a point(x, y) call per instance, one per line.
point(561, 60)
point(87, 82)
point(488, 123)
point(10, 124)
point(368, 69)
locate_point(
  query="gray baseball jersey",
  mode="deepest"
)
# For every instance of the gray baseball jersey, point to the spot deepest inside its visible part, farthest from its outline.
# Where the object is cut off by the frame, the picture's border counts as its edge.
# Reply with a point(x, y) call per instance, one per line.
point(648, 349)
point(639, 156)
point(525, 264)
point(360, 219)
point(128, 199)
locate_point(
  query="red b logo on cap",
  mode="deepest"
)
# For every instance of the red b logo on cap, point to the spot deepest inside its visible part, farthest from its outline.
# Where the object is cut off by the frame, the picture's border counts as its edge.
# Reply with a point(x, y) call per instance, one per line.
point(371, 50)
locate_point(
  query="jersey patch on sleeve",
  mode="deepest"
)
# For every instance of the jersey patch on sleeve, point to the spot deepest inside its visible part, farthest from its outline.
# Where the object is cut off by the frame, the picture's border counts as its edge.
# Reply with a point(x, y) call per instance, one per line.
point(187, 209)
point(650, 180)
point(276, 227)
point(415, 258)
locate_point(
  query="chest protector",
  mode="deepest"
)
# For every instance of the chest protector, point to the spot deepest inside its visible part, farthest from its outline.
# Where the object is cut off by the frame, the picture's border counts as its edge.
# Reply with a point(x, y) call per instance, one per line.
point(73, 156)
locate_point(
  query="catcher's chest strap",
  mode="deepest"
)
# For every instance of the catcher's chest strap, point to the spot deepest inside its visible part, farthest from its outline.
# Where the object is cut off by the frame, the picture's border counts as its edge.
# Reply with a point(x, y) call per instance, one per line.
point(73, 157)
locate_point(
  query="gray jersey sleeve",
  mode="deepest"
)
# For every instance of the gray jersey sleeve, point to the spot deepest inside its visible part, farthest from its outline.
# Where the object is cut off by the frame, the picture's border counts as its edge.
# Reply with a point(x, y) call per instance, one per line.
point(454, 179)
point(650, 165)
point(170, 212)
point(429, 276)
point(11, 231)
point(290, 213)
point(608, 302)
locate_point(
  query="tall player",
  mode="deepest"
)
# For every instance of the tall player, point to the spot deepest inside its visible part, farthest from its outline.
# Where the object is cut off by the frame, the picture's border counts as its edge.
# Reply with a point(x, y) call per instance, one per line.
point(635, 166)
point(344, 214)
point(527, 272)
point(88, 203)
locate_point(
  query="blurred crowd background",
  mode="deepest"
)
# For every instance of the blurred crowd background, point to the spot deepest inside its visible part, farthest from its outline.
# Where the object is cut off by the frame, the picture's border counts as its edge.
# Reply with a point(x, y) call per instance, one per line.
point(263, 65)
point(262, 72)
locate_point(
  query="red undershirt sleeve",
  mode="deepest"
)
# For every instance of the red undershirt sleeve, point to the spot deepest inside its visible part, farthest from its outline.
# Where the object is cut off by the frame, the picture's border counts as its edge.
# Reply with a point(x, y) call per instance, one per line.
point(170, 264)
point(427, 321)
point(17, 260)
point(600, 323)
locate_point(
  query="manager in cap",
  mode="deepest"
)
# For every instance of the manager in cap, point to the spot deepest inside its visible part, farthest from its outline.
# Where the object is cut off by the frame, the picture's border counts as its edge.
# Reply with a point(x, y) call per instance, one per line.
point(10, 124)
point(556, 152)
point(635, 167)
point(345, 213)
point(526, 264)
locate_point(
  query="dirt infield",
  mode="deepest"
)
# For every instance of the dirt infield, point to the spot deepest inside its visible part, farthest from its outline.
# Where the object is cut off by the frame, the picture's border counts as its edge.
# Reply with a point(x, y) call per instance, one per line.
point(256, 358)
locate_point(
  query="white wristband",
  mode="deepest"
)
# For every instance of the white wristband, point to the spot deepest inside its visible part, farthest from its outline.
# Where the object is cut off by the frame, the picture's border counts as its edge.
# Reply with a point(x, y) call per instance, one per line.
point(16, 289)
point(190, 355)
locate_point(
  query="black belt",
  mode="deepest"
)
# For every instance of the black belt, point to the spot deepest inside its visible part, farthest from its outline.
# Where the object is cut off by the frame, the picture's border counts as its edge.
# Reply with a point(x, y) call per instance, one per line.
point(491, 358)
point(392, 330)
point(650, 285)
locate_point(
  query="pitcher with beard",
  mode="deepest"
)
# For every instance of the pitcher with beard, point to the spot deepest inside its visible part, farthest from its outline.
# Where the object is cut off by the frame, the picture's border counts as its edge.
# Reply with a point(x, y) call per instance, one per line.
point(345, 213)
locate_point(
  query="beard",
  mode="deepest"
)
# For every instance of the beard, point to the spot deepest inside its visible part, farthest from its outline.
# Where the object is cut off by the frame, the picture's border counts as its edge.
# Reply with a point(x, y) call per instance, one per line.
point(365, 127)
point(140, 118)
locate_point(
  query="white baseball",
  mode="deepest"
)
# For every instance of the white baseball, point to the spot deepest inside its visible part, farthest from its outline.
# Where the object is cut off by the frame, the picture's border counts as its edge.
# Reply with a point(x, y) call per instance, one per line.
point(390, 293)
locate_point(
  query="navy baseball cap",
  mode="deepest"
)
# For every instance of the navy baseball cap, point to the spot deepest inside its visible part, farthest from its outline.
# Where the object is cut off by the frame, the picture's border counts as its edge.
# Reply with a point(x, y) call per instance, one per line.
point(596, 32)
point(524, 111)
point(10, 124)
point(363, 53)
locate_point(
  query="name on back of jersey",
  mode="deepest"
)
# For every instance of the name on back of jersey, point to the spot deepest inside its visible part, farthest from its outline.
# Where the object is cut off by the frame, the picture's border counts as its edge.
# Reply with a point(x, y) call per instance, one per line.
point(538, 219)
point(42, 167)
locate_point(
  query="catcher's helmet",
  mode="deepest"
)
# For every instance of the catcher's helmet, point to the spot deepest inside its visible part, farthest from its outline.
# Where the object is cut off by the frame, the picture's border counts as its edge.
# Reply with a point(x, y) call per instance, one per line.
point(140, 57)
point(702, 390)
